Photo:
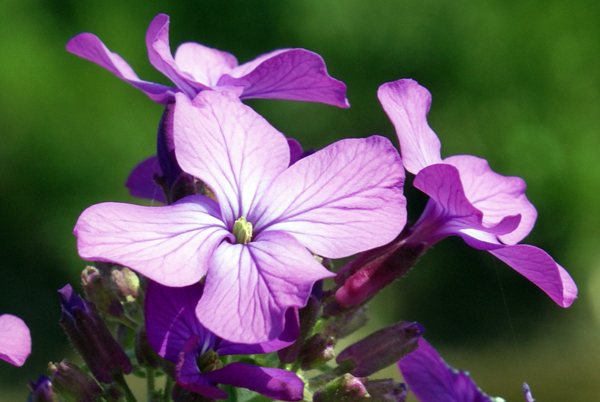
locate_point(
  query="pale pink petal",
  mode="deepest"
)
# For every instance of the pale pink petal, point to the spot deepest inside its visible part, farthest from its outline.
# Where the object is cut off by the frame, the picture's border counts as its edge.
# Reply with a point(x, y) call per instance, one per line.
point(91, 48)
point(495, 195)
point(279, 384)
point(159, 53)
point(341, 200)
point(141, 181)
point(537, 266)
point(249, 288)
point(407, 104)
point(292, 74)
point(15, 340)
point(204, 64)
point(230, 147)
point(171, 244)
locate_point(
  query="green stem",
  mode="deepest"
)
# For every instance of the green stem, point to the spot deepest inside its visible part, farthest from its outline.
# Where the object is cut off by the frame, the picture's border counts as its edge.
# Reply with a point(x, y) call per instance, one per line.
point(123, 387)
point(168, 387)
point(150, 383)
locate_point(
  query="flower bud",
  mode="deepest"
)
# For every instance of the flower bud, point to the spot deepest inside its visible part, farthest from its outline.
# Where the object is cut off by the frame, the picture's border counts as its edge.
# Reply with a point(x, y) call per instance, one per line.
point(382, 348)
point(316, 351)
point(348, 322)
point(145, 355)
point(98, 290)
point(72, 383)
point(41, 391)
point(386, 390)
point(346, 388)
point(127, 283)
point(90, 337)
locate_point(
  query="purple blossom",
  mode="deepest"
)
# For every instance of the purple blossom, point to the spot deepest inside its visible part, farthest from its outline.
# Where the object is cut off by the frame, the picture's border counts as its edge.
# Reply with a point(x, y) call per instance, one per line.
point(430, 379)
point(467, 199)
point(15, 340)
point(293, 74)
point(175, 333)
point(253, 242)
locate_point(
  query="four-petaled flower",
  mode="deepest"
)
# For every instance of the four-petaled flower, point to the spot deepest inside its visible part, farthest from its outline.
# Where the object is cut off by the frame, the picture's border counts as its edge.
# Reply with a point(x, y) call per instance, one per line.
point(467, 199)
point(253, 242)
point(293, 74)
point(175, 333)
point(15, 340)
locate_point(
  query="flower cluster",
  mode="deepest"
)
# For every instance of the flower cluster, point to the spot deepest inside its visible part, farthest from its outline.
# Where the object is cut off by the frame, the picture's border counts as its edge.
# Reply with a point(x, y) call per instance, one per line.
point(221, 290)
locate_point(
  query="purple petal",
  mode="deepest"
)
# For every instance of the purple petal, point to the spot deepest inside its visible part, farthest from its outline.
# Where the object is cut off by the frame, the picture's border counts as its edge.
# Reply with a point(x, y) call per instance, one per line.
point(159, 53)
point(527, 393)
point(171, 319)
point(170, 244)
point(273, 383)
point(189, 376)
point(15, 340)
point(230, 147)
point(341, 200)
point(292, 74)
point(249, 288)
point(206, 65)
point(537, 266)
point(91, 48)
point(449, 212)
point(495, 195)
point(432, 380)
point(296, 150)
point(407, 104)
point(141, 181)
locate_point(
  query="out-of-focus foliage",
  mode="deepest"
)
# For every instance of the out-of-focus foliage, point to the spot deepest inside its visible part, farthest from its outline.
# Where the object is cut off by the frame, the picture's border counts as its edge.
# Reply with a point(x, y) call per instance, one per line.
point(516, 82)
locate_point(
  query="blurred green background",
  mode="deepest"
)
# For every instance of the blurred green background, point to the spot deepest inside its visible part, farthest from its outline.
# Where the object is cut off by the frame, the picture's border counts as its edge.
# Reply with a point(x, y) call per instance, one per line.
point(515, 82)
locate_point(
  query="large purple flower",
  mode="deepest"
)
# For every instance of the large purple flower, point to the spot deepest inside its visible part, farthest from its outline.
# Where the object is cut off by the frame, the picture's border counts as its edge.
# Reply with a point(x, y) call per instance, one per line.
point(293, 74)
point(253, 242)
point(432, 380)
point(15, 340)
point(175, 333)
point(489, 211)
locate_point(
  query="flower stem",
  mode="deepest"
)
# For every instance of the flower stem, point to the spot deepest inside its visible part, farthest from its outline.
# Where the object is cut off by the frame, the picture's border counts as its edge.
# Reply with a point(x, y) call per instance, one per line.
point(150, 383)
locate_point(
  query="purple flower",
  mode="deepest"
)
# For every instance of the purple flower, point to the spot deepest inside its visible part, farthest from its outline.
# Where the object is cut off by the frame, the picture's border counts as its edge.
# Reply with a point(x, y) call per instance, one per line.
point(15, 340)
point(430, 379)
point(253, 242)
point(175, 333)
point(467, 199)
point(293, 74)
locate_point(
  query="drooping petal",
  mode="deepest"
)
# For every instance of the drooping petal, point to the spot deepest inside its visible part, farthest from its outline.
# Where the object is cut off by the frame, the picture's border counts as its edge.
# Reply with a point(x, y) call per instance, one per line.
point(171, 244)
point(273, 383)
point(292, 74)
point(341, 200)
point(205, 64)
point(230, 147)
point(432, 380)
point(449, 212)
point(159, 53)
point(407, 104)
point(15, 340)
point(249, 288)
point(189, 376)
point(90, 47)
point(141, 181)
point(537, 266)
point(495, 195)
point(171, 319)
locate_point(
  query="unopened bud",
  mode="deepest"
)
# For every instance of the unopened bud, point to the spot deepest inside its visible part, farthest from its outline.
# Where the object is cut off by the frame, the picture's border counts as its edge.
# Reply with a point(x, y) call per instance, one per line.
point(72, 383)
point(316, 351)
point(382, 348)
point(127, 283)
point(41, 391)
point(386, 390)
point(348, 322)
point(145, 355)
point(346, 388)
point(90, 337)
point(99, 291)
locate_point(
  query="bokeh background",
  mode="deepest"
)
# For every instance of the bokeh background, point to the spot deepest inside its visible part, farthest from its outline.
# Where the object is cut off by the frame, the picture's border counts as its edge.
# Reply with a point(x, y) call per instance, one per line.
point(515, 82)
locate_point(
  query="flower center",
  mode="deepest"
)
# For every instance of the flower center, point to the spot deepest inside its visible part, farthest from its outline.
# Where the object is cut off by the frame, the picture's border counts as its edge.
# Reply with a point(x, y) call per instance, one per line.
point(242, 230)
point(209, 361)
